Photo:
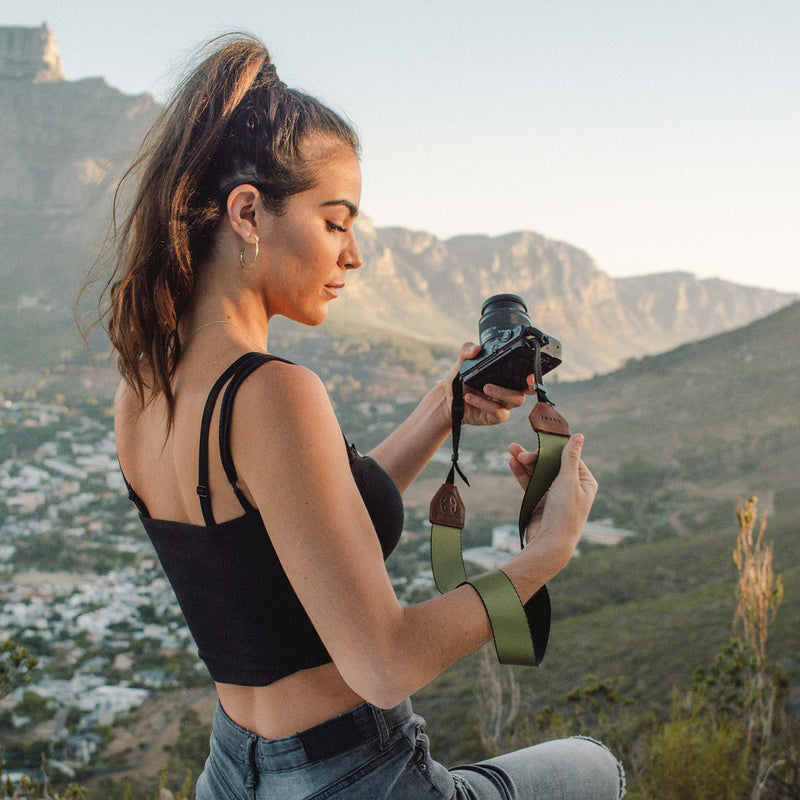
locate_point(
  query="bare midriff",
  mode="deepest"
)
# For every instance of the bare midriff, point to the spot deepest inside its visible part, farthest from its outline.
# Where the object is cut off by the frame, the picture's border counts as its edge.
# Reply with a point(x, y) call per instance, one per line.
point(289, 705)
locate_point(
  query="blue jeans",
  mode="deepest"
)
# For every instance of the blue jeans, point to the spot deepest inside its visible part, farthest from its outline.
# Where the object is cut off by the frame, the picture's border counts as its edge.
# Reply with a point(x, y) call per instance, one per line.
point(372, 754)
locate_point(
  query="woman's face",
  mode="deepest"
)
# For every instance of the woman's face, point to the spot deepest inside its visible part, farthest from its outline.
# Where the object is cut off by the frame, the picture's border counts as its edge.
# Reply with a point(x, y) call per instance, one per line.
point(309, 249)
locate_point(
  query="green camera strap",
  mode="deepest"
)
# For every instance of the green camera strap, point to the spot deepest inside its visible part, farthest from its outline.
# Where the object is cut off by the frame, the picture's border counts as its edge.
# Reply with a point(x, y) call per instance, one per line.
point(520, 630)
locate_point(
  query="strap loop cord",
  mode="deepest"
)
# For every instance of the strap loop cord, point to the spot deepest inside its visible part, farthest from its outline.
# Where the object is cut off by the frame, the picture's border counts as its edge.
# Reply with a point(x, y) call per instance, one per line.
point(457, 417)
point(541, 394)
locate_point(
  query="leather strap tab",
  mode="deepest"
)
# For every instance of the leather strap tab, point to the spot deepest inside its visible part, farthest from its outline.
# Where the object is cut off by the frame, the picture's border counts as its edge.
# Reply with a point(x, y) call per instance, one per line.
point(545, 419)
point(447, 507)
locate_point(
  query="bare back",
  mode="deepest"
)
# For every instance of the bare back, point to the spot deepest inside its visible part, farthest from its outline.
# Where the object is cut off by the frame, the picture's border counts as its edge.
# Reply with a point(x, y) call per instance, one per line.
point(162, 466)
point(162, 469)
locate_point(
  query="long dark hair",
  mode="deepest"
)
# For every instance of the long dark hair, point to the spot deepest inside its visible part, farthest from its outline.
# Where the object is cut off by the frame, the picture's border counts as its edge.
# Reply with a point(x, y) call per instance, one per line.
point(231, 121)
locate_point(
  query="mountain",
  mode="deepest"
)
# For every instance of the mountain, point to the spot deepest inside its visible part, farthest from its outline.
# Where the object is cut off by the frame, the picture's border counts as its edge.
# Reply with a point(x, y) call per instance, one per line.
point(65, 144)
point(414, 281)
point(64, 147)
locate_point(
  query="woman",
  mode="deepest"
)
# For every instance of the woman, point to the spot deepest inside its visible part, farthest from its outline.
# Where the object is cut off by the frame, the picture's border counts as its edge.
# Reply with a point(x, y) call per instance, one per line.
point(272, 530)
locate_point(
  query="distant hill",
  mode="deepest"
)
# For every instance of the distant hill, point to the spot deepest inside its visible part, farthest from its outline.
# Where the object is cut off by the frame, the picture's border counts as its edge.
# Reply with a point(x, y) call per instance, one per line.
point(65, 144)
point(720, 417)
point(679, 435)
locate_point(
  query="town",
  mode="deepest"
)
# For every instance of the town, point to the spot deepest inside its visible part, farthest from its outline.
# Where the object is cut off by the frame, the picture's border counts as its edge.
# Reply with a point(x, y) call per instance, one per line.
point(79, 585)
point(81, 588)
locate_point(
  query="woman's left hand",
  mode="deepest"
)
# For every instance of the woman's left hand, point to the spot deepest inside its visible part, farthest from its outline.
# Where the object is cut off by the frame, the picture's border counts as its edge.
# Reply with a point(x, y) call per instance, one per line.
point(493, 404)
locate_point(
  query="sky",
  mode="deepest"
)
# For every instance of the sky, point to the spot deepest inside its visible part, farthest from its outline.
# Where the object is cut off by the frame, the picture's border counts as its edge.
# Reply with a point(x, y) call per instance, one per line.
point(656, 136)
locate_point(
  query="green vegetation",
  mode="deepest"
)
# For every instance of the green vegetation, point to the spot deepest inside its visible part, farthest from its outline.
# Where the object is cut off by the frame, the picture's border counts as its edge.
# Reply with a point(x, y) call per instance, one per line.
point(35, 707)
point(46, 551)
point(56, 338)
point(733, 733)
point(16, 666)
point(178, 778)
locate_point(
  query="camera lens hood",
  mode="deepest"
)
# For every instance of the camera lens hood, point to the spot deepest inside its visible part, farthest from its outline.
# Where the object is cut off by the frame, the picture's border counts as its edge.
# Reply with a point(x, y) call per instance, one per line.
point(504, 299)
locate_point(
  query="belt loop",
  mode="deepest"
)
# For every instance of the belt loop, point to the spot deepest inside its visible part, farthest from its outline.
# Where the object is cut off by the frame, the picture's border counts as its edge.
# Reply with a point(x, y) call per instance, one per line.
point(380, 724)
point(251, 781)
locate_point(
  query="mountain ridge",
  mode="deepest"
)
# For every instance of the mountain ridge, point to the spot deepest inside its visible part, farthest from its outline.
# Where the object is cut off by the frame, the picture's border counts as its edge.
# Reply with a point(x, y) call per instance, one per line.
point(65, 144)
point(600, 320)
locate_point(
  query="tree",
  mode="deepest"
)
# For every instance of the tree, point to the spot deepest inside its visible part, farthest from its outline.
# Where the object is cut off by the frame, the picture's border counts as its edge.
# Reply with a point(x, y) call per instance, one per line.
point(728, 737)
point(16, 666)
point(759, 594)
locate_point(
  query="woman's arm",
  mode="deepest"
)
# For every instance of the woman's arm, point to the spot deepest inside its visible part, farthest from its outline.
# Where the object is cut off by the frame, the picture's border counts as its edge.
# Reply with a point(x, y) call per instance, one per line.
point(292, 461)
point(412, 444)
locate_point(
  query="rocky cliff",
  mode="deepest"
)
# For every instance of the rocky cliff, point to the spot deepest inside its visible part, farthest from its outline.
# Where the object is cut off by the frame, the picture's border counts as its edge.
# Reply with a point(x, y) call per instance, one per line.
point(417, 282)
point(63, 147)
point(30, 55)
point(65, 144)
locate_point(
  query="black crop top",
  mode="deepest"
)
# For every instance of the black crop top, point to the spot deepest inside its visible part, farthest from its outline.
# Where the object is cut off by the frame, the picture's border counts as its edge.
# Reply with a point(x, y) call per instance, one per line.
point(249, 625)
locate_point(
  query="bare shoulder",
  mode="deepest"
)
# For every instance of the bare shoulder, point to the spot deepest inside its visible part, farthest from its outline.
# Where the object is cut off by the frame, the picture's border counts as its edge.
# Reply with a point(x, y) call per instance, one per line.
point(283, 375)
point(282, 390)
point(138, 428)
point(282, 409)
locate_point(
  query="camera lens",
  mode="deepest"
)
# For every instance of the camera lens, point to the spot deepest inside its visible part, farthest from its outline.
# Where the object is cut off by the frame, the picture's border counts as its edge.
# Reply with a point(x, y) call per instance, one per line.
point(500, 315)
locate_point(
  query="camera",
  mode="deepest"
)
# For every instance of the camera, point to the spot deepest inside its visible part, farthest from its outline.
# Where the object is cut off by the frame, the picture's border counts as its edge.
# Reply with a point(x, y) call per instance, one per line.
point(509, 343)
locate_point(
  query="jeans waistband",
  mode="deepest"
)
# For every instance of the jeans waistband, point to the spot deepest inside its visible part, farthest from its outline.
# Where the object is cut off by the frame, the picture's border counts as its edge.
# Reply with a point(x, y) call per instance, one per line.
point(329, 738)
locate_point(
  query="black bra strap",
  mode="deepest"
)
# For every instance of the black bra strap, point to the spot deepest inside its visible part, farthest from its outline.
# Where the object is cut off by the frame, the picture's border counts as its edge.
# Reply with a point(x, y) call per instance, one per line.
point(253, 361)
point(205, 425)
point(132, 496)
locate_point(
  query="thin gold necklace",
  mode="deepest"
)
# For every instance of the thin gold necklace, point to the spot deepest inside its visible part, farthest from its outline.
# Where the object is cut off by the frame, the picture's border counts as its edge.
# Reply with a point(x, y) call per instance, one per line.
point(258, 347)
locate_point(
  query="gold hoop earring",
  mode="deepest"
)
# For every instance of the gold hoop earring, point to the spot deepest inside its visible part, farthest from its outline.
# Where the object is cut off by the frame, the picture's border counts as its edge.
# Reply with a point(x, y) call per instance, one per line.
point(255, 256)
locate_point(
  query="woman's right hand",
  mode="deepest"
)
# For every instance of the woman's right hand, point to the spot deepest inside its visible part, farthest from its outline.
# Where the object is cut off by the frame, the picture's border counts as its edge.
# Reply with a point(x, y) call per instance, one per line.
point(556, 525)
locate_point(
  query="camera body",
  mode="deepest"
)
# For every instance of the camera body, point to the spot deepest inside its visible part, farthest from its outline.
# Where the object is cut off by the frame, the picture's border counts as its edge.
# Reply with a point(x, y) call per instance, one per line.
point(508, 342)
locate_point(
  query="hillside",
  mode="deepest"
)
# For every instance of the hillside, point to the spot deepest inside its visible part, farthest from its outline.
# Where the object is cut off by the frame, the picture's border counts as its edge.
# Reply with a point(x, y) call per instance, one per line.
point(720, 416)
point(705, 422)
point(675, 439)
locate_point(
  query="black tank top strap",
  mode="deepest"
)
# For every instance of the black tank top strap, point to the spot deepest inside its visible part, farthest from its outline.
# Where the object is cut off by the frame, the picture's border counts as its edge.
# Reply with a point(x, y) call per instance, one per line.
point(253, 361)
point(205, 425)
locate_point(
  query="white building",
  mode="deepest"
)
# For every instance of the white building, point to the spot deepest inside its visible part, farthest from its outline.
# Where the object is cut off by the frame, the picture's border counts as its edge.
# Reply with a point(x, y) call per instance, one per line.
point(107, 701)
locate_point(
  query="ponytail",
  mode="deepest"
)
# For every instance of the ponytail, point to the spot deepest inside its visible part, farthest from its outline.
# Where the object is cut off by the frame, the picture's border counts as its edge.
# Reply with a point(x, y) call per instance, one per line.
point(232, 121)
